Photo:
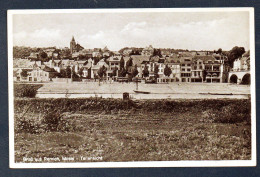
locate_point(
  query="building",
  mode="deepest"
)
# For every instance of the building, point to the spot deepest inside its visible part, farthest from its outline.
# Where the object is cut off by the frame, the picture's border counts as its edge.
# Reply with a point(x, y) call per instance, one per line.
point(148, 51)
point(75, 47)
point(185, 67)
point(197, 69)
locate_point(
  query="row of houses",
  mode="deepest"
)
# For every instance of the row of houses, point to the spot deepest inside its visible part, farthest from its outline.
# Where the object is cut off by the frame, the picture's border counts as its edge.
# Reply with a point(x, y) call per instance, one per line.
point(208, 68)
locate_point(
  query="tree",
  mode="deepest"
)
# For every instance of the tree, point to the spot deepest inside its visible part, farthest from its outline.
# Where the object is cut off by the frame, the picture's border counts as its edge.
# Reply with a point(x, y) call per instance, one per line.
point(122, 72)
point(219, 51)
point(156, 71)
point(102, 71)
point(129, 63)
point(167, 71)
point(234, 53)
point(145, 71)
point(114, 73)
point(24, 73)
point(96, 60)
point(122, 63)
point(68, 72)
point(74, 75)
point(63, 73)
point(157, 52)
point(134, 72)
point(43, 55)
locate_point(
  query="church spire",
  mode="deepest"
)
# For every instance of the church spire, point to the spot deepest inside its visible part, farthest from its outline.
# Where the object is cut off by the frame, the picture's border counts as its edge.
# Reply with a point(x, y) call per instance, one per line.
point(73, 39)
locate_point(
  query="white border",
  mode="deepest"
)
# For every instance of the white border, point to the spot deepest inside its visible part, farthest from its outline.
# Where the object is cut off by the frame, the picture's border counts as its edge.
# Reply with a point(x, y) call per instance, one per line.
point(219, 163)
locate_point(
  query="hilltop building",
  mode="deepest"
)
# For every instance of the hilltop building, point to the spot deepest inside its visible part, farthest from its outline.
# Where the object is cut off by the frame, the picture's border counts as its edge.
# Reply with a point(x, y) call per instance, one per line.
point(75, 47)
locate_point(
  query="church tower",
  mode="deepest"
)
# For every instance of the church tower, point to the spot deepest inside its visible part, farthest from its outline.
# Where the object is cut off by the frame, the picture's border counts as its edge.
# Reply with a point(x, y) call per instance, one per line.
point(73, 47)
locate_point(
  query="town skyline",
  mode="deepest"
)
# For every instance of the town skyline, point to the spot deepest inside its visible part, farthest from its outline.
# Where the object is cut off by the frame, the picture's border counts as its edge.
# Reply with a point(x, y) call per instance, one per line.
point(191, 31)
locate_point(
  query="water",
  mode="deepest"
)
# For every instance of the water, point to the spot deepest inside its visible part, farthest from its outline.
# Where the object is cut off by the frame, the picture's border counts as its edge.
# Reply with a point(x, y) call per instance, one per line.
point(143, 96)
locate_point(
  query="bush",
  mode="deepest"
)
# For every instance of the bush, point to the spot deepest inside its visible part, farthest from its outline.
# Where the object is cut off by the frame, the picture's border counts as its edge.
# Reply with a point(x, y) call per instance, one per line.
point(232, 113)
point(26, 90)
point(51, 121)
point(27, 126)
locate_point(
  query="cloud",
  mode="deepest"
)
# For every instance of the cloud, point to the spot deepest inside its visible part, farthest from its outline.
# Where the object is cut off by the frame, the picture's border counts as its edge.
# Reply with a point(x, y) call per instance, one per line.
point(133, 26)
point(45, 33)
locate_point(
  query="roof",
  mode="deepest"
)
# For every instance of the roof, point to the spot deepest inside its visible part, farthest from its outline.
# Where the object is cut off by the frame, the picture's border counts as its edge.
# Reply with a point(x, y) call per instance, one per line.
point(114, 58)
point(247, 54)
point(48, 69)
point(23, 63)
point(155, 59)
point(138, 59)
point(204, 58)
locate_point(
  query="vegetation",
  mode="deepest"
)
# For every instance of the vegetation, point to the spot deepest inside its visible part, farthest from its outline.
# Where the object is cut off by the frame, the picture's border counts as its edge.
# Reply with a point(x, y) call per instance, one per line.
point(120, 130)
point(167, 71)
point(26, 90)
point(145, 71)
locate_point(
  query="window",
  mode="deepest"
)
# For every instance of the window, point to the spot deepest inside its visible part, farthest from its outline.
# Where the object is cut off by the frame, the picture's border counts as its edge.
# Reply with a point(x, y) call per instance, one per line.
point(188, 69)
point(183, 69)
point(182, 64)
point(195, 73)
point(188, 64)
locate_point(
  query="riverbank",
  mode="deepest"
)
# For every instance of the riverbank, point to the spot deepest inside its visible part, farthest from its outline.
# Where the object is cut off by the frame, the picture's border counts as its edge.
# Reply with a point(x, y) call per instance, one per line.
point(118, 130)
point(155, 91)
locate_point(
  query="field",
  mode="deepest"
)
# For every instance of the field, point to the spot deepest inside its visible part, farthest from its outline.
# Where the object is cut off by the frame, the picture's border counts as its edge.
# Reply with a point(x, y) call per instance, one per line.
point(95, 129)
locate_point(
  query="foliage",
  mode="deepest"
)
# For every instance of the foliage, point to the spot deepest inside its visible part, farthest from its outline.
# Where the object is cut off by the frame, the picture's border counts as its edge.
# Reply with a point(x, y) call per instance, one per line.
point(156, 70)
point(102, 71)
point(157, 52)
point(129, 63)
point(43, 55)
point(219, 51)
point(24, 73)
point(122, 63)
point(51, 120)
point(135, 71)
point(22, 52)
point(26, 90)
point(234, 53)
point(167, 71)
point(135, 52)
point(145, 71)
point(68, 72)
point(114, 73)
point(122, 72)
point(140, 130)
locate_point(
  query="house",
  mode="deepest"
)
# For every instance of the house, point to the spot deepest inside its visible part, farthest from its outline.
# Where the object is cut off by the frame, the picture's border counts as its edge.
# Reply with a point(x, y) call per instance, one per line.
point(34, 55)
point(197, 69)
point(148, 51)
point(185, 66)
point(242, 63)
point(139, 61)
point(49, 51)
point(212, 68)
point(113, 63)
point(95, 68)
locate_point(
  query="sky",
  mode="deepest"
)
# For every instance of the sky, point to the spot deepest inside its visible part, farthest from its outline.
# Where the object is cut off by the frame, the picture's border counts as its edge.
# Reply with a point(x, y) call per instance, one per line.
point(178, 30)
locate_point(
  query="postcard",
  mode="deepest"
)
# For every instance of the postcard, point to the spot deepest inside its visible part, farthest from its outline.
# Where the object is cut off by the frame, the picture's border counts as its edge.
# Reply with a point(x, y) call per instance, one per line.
point(162, 87)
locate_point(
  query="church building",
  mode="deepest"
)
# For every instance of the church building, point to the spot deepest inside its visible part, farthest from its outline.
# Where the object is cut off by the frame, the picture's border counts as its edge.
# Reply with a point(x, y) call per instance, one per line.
point(75, 47)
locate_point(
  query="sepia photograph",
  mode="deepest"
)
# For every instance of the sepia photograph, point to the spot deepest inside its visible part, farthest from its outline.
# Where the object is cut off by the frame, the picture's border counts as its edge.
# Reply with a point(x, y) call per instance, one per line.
point(155, 87)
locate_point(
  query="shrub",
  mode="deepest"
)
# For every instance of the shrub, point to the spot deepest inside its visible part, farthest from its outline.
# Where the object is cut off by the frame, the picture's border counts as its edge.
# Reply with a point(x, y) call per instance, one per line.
point(26, 90)
point(51, 121)
point(232, 113)
point(26, 126)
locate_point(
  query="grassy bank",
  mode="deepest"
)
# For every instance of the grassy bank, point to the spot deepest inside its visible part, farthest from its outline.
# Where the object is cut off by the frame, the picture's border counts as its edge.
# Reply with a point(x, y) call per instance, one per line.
point(117, 130)
point(26, 90)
